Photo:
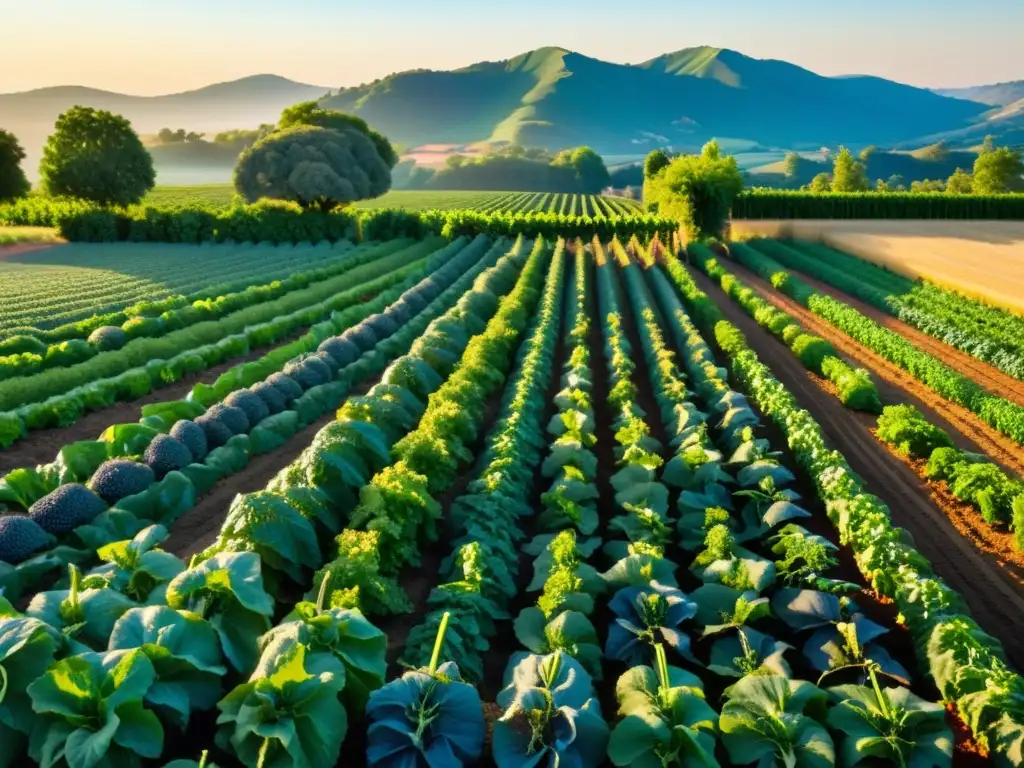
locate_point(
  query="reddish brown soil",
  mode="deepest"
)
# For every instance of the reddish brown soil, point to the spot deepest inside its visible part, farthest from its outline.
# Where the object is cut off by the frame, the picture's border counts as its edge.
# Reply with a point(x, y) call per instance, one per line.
point(20, 249)
point(993, 595)
point(197, 528)
point(894, 384)
point(40, 447)
point(991, 378)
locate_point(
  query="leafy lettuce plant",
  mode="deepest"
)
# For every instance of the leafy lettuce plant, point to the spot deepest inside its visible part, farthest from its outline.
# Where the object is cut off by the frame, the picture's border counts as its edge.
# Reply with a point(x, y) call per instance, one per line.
point(267, 523)
point(135, 567)
point(773, 721)
point(91, 714)
point(428, 717)
point(666, 723)
point(552, 717)
point(344, 634)
point(83, 617)
point(646, 617)
point(889, 724)
point(355, 579)
point(288, 714)
point(27, 647)
point(227, 590)
point(186, 656)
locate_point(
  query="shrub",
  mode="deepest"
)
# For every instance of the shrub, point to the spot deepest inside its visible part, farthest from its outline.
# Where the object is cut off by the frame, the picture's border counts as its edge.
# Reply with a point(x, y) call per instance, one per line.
point(1018, 522)
point(906, 428)
point(812, 350)
point(108, 338)
point(697, 190)
point(790, 332)
point(856, 389)
point(943, 463)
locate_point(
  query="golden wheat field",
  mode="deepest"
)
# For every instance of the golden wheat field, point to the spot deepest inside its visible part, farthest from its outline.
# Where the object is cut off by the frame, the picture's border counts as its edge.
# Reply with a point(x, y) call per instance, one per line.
point(984, 259)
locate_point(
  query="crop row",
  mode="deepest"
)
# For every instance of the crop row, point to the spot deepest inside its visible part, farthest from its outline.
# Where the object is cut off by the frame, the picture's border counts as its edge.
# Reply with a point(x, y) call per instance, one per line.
point(967, 665)
point(250, 420)
point(970, 478)
point(754, 578)
point(26, 354)
point(989, 334)
point(1003, 415)
point(145, 654)
point(48, 292)
point(854, 385)
point(60, 396)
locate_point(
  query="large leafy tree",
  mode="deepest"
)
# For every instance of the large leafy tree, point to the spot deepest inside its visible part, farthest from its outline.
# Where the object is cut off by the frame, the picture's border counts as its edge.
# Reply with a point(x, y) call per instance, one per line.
point(591, 173)
point(997, 170)
point(697, 190)
point(848, 174)
point(656, 160)
point(311, 113)
point(318, 168)
point(95, 155)
point(13, 183)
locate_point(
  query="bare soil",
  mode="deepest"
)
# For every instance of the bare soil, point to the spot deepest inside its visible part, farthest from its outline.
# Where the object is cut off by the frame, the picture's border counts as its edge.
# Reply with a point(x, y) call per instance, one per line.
point(20, 249)
point(41, 446)
point(991, 378)
point(982, 259)
point(894, 384)
point(994, 596)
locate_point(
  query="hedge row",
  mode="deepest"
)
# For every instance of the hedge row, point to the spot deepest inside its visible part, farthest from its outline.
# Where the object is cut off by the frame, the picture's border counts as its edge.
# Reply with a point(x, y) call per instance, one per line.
point(278, 222)
point(781, 204)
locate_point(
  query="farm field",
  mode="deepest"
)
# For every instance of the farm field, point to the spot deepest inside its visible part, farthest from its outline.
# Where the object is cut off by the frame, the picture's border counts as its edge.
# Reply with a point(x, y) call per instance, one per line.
point(983, 259)
point(504, 501)
point(582, 205)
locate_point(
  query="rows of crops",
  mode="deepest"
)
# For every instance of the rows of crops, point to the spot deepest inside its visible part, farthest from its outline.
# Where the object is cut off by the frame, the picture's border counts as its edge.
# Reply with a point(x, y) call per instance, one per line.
point(425, 200)
point(538, 490)
point(985, 332)
point(53, 287)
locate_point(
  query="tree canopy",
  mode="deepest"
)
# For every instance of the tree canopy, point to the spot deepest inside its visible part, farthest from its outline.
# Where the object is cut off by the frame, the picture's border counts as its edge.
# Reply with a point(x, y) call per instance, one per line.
point(95, 155)
point(311, 113)
point(318, 168)
point(656, 160)
point(697, 190)
point(997, 170)
point(591, 174)
point(13, 183)
point(821, 183)
point(848, 174)
point(960, 183)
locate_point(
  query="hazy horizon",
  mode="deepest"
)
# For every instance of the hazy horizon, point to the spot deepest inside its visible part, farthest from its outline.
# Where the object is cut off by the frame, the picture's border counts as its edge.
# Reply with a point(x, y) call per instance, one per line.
point(123, 46)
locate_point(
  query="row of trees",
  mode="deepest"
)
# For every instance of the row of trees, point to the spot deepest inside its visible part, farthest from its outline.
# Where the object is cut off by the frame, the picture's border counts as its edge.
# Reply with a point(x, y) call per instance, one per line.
point(514, 167)
point(318, 158)
point(997, 170)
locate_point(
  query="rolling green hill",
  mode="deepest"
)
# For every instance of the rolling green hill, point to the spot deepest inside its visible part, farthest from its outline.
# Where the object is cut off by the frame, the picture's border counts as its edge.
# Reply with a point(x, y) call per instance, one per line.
point(553, 97)
point(996, 95)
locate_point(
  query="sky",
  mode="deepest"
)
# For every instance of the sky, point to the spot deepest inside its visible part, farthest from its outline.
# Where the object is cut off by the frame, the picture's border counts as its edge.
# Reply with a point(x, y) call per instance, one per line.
point(146, 47)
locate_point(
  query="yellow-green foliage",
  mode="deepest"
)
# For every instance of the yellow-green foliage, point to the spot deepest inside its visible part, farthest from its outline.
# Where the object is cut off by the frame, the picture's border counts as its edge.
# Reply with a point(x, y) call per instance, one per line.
point(697, 190)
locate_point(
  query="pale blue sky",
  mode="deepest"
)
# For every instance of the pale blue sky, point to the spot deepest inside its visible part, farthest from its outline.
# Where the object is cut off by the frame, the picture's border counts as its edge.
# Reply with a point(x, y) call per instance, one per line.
point(147, 47)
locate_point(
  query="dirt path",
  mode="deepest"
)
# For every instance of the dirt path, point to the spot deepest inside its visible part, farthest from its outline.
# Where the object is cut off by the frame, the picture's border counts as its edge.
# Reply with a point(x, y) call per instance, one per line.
point(968, 431)
point(991, 378)
point(20, 249)
point(198, 528)
point(40, 447)
point(995, 598)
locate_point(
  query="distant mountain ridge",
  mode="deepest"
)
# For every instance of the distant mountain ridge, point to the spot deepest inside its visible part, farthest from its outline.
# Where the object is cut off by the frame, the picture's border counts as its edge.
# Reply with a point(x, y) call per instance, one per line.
point(555, 98)
point(243, 103)
point(995, 95)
